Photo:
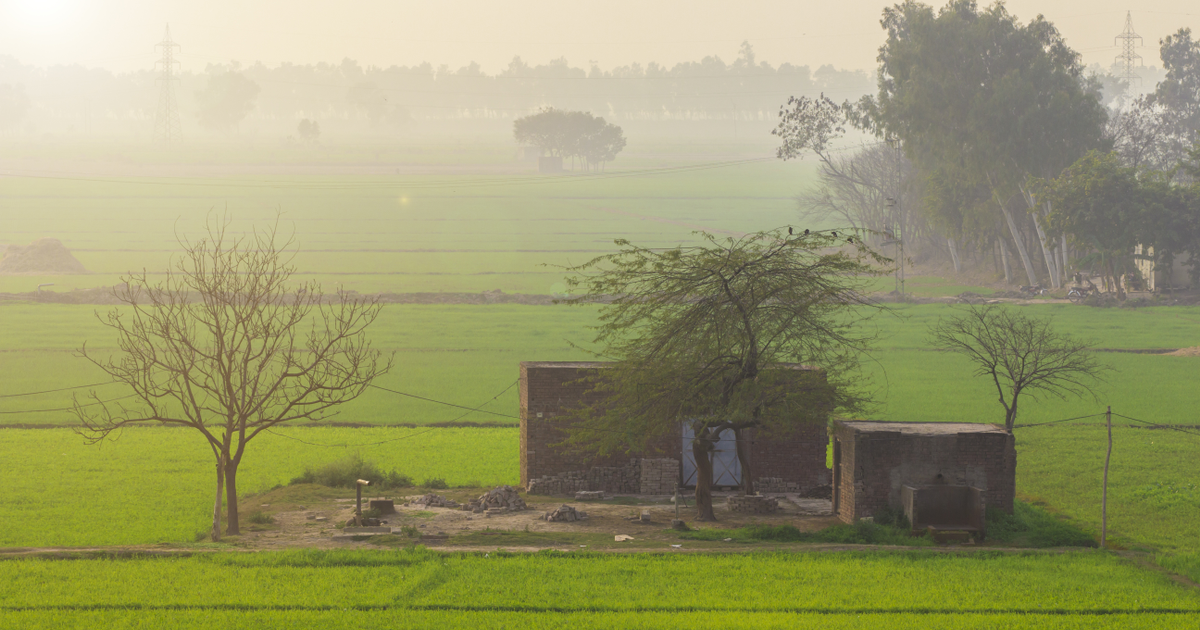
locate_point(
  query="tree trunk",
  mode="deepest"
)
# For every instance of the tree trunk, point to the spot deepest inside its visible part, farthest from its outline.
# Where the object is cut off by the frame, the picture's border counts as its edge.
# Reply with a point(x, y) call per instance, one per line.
point(1004, 261)
point(702, 448)
point(216, 527)
point(743, 454)
point(953, 254)
point(231, 504)
point(1016, 235)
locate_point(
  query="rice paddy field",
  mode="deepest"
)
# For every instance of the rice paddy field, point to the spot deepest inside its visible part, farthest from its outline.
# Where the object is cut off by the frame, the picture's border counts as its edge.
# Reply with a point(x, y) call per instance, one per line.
point(496, 227)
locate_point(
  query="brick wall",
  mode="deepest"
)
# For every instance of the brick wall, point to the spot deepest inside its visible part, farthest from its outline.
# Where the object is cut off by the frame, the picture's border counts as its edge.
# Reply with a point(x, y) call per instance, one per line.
point(874, 464)
point(548, 389)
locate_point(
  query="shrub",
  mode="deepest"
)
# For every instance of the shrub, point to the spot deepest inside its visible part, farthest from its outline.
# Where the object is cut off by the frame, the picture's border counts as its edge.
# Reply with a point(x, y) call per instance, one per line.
point(437, 483)
point(346, 472)
point(259, 518)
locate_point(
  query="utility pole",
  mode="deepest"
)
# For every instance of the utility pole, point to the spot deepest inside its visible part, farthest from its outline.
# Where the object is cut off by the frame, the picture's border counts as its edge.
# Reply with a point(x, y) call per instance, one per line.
point(1104, 496)
point(1128, 58)
point(166, 121)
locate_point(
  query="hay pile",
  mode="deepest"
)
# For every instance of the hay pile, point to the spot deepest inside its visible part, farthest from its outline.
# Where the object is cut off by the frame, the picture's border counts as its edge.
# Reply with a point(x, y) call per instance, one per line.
point(1194, 351)
point(46, 255)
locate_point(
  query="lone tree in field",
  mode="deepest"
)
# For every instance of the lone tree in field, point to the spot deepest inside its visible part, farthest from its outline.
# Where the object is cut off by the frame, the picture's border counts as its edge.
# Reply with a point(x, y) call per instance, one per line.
point(699, 335)
point(224, 346)
point(1021, 354)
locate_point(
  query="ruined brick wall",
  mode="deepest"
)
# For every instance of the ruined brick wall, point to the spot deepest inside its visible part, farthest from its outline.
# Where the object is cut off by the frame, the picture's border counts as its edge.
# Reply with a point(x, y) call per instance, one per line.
point(796, 456)
point(547, 390)
point(874, 465)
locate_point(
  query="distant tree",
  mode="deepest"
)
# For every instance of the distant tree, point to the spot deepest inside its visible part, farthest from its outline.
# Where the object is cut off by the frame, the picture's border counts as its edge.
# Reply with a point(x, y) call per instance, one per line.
point(375, 103)
point(566, 134)
point(1141, 136)
point(309, 130)
point(980, 97)
point(223, 345)
point(14, 105)
point(1107, 209)
point(226, 100)
point(1179, 93)
point(696, 335)
point(1022, 355)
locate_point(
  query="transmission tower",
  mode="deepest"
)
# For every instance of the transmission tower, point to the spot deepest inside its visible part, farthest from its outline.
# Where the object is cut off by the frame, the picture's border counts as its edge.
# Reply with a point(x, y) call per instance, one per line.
point(166, 122)
point(1128, 59)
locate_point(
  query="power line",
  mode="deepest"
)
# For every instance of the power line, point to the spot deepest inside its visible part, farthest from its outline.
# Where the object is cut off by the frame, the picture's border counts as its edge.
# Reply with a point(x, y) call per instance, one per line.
point(61, 389)
point(1042, 424)
point(1159, 426)
point(449, 404)
point(100, 402)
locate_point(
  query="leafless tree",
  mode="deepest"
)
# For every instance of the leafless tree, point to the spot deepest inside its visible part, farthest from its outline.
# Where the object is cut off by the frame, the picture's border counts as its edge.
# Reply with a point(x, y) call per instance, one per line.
point(224, 346)
point(1021, 354)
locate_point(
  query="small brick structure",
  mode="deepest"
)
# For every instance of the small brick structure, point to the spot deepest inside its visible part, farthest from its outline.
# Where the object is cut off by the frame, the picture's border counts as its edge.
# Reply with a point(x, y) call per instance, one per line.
point(550, 389)
point(874, 461)
point(753, 504)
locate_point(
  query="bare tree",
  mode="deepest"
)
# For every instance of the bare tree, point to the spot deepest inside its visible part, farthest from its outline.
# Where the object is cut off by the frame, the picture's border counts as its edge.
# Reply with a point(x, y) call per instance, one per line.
point(224, 346)
point(1021, 354)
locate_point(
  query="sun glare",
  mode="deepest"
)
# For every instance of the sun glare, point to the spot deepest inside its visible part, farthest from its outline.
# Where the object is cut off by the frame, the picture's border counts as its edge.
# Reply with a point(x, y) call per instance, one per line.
point(46, 14)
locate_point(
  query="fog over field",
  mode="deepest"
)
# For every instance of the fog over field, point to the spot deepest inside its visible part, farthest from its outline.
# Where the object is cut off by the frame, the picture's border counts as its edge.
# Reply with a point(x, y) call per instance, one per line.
point(613, 315)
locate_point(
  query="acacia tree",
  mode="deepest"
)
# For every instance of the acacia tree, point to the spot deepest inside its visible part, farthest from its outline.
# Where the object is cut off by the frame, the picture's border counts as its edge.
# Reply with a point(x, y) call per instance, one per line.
point(1021, 354)
point(566, 134)
point(223, 345)
point(701, 335)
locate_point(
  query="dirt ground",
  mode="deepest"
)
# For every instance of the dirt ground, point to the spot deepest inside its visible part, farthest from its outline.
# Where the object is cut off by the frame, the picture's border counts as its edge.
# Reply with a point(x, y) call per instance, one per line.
point(295, 524)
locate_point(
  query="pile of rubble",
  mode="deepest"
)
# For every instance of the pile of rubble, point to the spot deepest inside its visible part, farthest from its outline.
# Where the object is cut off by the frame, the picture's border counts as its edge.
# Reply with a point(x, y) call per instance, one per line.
point(502, 498)
point(589, 495)
point(565, 514)
point(775, 484)
point(753, 504)
point(432, 500)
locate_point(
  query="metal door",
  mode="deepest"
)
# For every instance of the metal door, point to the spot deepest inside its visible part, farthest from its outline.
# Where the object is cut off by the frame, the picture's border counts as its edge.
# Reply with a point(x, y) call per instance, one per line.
point(727, 469)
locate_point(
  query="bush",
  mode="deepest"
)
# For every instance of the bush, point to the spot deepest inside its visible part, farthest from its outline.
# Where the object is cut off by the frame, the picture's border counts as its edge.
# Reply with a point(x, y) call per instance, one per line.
point(346, 472)
point(437, 483)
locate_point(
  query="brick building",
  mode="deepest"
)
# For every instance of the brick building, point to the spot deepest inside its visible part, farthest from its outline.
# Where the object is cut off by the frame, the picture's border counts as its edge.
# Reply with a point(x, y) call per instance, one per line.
point(874, 463)
point(548, 389)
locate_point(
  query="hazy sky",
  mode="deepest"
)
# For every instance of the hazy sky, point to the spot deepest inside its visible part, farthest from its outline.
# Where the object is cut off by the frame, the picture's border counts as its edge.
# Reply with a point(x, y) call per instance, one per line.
point(119, 34)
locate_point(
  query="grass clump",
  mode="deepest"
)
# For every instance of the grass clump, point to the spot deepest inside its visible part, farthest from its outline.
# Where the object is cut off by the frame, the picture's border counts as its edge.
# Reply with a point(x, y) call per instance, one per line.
point(860, 533)
point(346, 472)
point(436, 483)
point(258, 517)
point(1031, 526)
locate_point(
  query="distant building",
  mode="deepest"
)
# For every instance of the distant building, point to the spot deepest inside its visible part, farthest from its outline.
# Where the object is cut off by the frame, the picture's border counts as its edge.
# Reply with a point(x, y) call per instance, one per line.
point(1176, 277)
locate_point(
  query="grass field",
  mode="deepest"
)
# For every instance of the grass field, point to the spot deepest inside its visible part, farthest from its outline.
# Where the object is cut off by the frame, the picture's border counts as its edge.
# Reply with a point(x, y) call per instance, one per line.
point(411, 588)
point(151, 484)
point(469, 354)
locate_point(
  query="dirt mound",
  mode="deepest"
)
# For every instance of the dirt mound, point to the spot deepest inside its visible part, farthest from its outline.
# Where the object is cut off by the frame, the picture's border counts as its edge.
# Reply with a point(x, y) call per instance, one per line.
point(46, 255)
point(1194, 351)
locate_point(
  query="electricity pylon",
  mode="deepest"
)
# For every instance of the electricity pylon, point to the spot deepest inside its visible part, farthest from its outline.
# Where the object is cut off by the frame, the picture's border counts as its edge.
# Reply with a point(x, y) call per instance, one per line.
point(166, 122)
point(1128, 58)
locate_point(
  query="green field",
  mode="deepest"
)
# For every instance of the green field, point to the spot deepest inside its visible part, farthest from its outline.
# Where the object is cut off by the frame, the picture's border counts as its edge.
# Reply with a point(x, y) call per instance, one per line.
point(411, 588)
point(153, 482)
point(490, 227)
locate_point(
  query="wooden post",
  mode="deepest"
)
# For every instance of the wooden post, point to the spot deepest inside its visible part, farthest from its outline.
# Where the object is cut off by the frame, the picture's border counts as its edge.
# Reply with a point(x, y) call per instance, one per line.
point(1104, 496)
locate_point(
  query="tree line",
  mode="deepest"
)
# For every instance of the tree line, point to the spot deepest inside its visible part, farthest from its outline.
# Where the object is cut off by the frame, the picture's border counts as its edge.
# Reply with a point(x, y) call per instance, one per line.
point(348, 95)
point(984, 127)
